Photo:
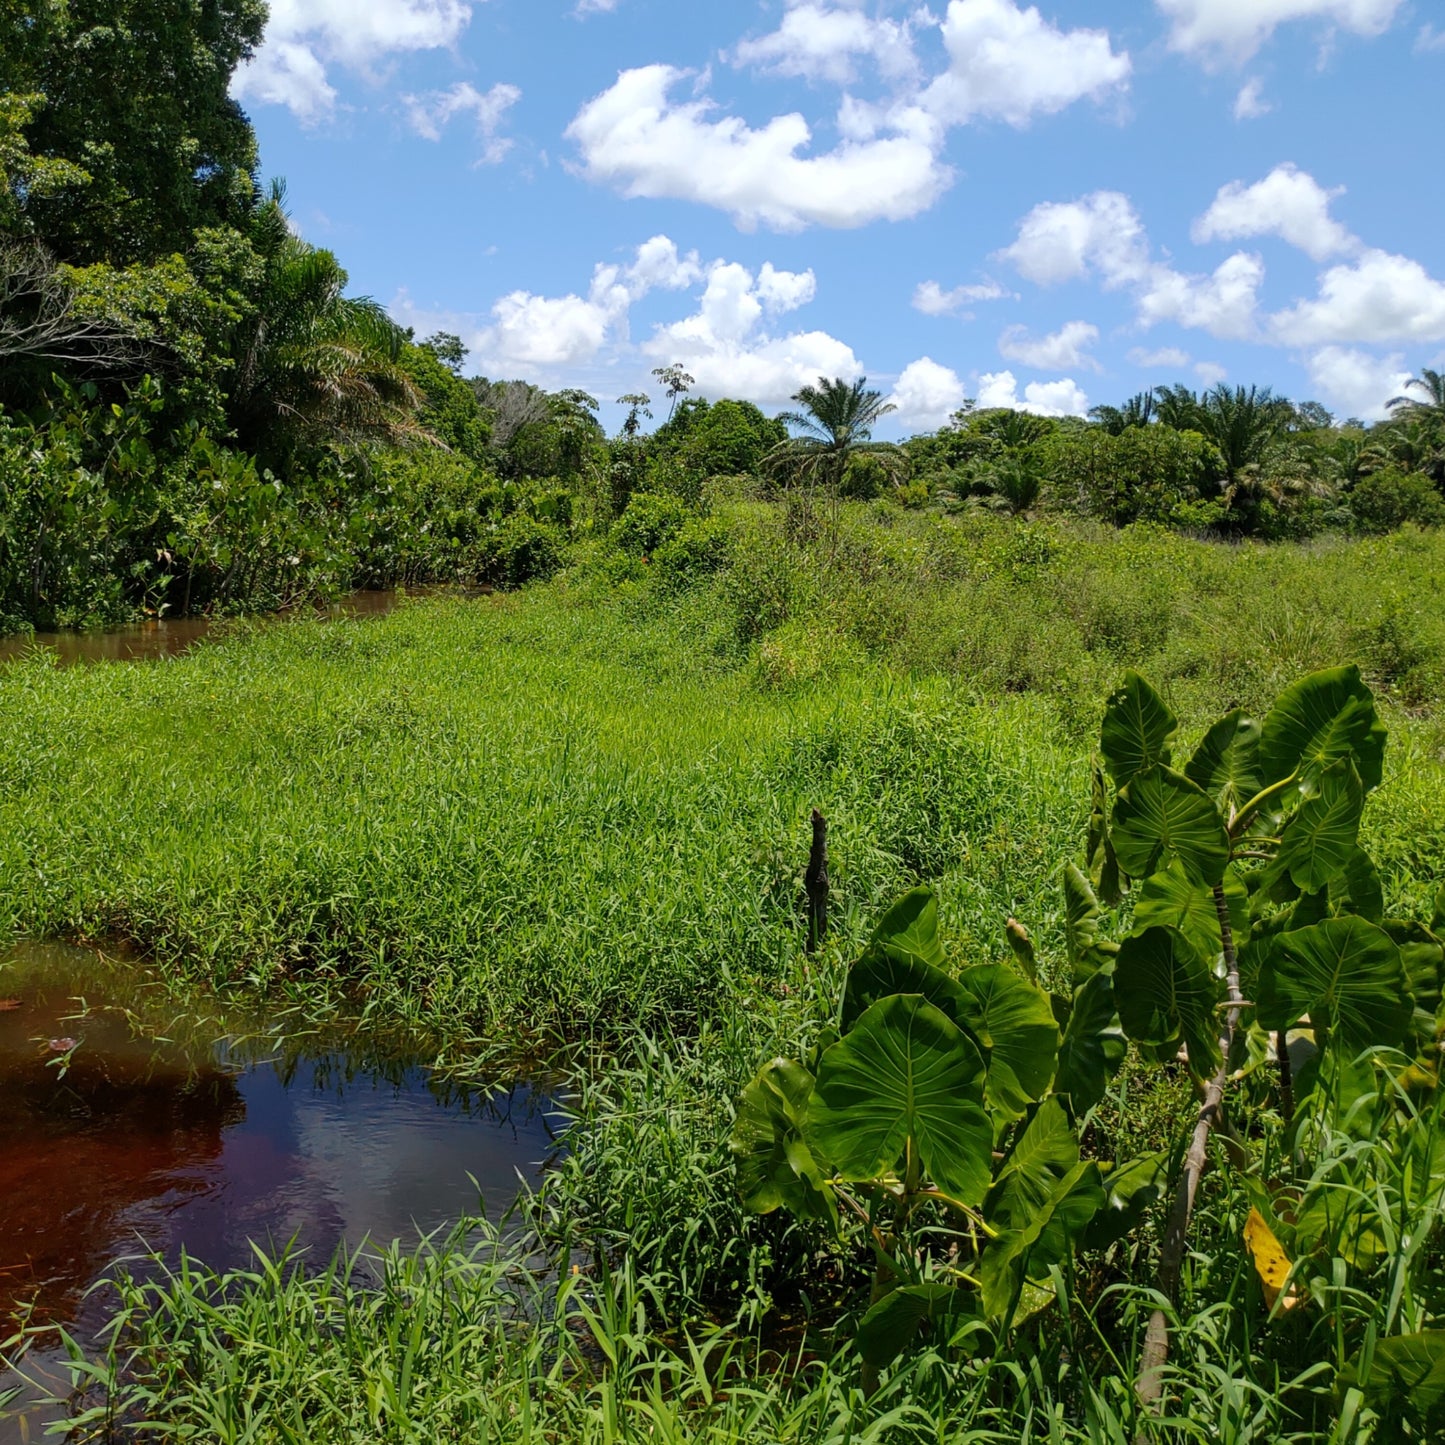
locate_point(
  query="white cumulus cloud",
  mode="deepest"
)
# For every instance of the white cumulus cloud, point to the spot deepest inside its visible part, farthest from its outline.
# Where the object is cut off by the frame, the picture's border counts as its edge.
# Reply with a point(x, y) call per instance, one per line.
point(1288, 203)
point(305, 37)
point(1064, 349)
point(1380, 298)
point(1044, 398)
point(1102, 237)
point(927, 394)
point(638, 139)
point(1166, 356)
point(1250, 103)
point(1010, 64)
point(820, 41)
point(1356, 383)
point(1234, 30)
point(932, 300)
point(430, 114)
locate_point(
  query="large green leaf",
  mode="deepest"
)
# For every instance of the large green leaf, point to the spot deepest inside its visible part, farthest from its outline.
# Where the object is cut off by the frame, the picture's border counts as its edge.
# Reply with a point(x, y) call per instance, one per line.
point(906, 1078)
point(884, 971)
point(1319, 720)
point(1226, 763)
point(1093, 1047)
point(911, 926)
point(1166, 995)
point(1045, 1152)
point(1130, 1191)
point(1013, 1021)
point(1172, 900)
point(775, 1167)
point(892, 1324)
point(1359, 889)
point(1422, 956)
point(1406, 1375)
point(1048, 1238)
point(1138, 728)
point(1087, 952)
point(1161, 816)
point(1320, 840)
point(1437, 918)
point(1346, 975)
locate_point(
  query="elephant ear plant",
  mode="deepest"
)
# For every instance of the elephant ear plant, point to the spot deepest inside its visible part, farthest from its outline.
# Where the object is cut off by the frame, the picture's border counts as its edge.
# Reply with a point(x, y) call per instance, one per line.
point(949, 1094)
point(944, 1111)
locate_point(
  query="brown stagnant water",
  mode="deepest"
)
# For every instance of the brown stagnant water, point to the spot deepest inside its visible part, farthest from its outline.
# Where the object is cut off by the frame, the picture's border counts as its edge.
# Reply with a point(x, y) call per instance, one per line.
point(166, 637)
point(113, 1145)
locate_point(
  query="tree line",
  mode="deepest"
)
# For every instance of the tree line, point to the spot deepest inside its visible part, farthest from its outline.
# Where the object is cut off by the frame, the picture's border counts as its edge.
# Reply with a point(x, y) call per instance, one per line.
point(195, 413)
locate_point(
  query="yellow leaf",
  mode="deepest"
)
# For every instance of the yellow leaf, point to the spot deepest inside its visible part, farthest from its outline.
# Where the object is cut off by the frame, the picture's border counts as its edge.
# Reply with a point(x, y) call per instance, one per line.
point(1270, 1261)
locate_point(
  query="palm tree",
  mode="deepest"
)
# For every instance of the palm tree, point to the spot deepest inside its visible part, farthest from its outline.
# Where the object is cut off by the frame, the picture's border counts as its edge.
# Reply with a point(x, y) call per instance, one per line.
point(1432, 383)
point(1244, 426)
point(1176, 407)
point(1016, 484)
point(836, 421)
point(1116, 420)
point(313, 365)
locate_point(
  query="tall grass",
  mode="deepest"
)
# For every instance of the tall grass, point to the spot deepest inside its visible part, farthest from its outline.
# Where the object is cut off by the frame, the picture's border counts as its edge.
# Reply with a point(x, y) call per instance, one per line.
point(578, 817)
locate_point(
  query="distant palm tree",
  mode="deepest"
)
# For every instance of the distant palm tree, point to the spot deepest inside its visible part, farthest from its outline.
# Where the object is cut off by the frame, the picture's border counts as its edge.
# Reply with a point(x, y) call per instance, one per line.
point(1244, 425)
point(1116, 420)
point(1016, 484)
point(836, 421)
point(1432, 403)
point(312, 364)
point(1176, 407)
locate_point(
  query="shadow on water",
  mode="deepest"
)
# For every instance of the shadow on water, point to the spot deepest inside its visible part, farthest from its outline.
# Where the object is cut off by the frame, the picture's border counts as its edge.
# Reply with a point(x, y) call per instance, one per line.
point(126, 1127)
point(169, 637)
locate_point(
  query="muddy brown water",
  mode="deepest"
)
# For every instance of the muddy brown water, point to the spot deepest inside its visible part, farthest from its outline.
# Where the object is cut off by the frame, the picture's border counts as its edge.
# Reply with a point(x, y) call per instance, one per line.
point(167, 637)
point(126, 1128)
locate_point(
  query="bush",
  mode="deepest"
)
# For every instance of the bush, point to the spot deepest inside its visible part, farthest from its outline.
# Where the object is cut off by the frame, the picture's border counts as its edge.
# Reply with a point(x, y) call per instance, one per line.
point(1386, 500)
point(650, 519)
point(522, 550)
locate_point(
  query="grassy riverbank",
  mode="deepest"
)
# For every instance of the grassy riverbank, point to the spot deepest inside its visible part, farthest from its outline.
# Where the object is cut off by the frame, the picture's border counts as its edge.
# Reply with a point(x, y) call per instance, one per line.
point(579, 815)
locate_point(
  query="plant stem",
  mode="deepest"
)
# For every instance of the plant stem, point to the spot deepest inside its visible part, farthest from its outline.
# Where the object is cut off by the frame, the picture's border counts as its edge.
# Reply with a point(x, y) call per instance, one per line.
point(1171, 1258)
point(816, 883)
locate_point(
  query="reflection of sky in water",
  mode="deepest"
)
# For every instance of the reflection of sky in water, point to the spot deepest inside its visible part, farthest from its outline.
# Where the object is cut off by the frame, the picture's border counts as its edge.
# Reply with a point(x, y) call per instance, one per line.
point(366, 1160)
point(151, 1147)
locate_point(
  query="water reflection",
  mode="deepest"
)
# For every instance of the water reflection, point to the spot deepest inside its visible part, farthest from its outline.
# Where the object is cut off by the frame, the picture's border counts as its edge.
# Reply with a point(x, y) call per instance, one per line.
point(166, 637)
point(111, 1142)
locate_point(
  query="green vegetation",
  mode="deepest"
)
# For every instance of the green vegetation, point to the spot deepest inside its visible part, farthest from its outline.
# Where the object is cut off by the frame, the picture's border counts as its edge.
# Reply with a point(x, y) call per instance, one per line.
point(574, 821)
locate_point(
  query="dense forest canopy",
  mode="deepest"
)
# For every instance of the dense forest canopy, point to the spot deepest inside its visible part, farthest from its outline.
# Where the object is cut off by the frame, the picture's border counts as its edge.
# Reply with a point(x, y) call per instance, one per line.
point(196, 414)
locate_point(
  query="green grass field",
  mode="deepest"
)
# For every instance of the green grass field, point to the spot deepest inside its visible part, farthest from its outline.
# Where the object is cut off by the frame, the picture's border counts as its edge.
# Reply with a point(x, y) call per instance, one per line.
point(574, 822)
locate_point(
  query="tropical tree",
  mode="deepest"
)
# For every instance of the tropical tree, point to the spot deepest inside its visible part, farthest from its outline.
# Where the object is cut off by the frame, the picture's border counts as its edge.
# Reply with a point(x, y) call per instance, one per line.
point(1116, 420)
point(313, 365)
point(675, 382)
point(1432, 400)
point(836, 423)
point(1176, 407)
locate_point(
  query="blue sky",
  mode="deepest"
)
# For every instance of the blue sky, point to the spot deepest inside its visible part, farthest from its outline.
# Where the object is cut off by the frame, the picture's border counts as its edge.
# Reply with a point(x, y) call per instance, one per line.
point(1043, 206)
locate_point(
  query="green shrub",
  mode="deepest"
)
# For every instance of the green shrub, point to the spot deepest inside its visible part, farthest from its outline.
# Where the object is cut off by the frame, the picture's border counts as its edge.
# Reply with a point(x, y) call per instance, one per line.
point(649, 520)
point(1388, 499)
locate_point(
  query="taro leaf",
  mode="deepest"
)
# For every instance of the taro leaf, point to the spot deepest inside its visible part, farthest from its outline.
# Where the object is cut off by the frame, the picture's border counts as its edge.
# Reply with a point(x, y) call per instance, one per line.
point(1044, 1154)
point(1407, 1373)
point(1437, 919)
point(1170, 900)
point(891, 1326)
point(1093, 1046)
point(774, 1165)
point(884, 971)
point(1320, 841)
point(1346, 975)
point(1319, 720)
point(1029, 1252)
point(1309, 909)
point(906, 1075)
point(1130, 1192)
point(911, 926)
point(1023, 948)
point(1358, 889)
point(1138, 728)
point(1087, 954)
point(1166, 994)
point(1226, 763)
point(1423, 956)
point(1098, 816)
point(1160, 816)
point(1271, 1263)
point(1013, 1022)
